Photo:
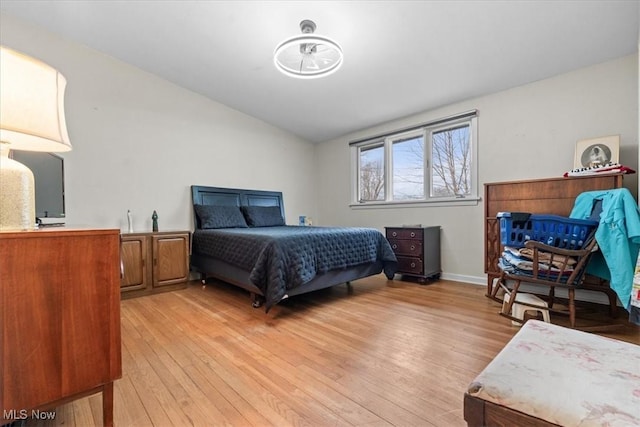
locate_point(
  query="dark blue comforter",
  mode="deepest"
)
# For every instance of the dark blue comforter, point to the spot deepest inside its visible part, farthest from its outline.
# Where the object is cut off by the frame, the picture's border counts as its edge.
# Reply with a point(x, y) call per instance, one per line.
point(282, 258)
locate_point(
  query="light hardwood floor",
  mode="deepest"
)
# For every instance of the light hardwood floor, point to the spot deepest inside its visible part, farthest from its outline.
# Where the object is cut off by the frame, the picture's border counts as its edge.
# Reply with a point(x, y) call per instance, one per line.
point(392, 353)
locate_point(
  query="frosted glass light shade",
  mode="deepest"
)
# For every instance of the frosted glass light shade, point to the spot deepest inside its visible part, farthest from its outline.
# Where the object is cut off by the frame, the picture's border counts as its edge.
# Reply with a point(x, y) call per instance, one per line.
point(32, 104)
point(309, 55)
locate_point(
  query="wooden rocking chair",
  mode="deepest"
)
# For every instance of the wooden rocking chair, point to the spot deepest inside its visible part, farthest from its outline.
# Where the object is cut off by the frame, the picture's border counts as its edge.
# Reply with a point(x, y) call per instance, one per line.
point(565, 274)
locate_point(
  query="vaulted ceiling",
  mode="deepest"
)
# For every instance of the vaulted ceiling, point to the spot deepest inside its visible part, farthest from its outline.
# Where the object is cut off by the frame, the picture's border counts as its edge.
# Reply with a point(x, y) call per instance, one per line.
point(401, 57)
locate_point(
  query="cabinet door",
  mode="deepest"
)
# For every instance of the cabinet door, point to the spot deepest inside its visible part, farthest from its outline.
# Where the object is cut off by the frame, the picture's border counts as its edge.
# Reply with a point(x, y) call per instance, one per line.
point(60, 316)
point(91, 313)
point(170, 259)
point(137, 271)
point(33, 281)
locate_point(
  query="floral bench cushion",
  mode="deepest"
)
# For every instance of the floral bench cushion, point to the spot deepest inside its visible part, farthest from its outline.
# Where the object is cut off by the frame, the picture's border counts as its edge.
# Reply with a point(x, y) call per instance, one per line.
point(564, 376)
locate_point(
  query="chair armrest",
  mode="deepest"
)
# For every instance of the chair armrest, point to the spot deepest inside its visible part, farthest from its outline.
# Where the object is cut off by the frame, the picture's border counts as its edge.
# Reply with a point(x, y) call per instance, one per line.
point(531, 244)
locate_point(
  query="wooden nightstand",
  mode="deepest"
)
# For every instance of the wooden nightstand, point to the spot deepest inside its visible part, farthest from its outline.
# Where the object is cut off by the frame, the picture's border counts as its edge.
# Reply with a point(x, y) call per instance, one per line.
point(154, 262)
point(418, 251)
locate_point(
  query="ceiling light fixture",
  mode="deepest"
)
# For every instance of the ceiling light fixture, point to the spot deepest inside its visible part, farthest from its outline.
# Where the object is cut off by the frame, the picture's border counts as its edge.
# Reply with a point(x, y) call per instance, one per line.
point(308, 56)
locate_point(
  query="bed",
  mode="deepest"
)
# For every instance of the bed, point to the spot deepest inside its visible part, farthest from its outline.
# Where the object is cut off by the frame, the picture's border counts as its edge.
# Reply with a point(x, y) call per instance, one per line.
point(241, 237)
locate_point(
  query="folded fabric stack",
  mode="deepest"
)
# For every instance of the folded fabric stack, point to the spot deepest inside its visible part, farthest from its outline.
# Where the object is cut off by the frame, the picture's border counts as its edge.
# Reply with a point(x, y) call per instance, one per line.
point(609, 168)
point(520, 261)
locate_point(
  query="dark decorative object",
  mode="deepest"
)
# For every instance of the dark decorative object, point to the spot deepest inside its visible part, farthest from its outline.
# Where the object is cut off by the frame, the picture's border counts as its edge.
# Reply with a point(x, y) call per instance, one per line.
point(154, 217)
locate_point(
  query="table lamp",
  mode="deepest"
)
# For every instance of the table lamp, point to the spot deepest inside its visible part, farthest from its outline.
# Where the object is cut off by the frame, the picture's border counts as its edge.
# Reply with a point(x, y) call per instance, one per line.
point(31, 119)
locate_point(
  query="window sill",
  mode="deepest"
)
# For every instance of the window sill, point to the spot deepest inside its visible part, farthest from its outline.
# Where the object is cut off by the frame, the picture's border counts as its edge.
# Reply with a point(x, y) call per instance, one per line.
point(467, 201)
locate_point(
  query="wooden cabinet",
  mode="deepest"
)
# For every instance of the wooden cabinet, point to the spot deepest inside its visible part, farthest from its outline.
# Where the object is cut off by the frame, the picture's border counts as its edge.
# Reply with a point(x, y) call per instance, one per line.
point(417, 250)
point(554, 196)
point(154, 262)
point(59, 320)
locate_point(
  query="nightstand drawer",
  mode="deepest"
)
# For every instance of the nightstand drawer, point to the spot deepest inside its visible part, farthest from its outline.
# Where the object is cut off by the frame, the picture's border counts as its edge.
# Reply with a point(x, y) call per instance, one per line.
point(410, 265)
point(406, 247)
point(405, 233)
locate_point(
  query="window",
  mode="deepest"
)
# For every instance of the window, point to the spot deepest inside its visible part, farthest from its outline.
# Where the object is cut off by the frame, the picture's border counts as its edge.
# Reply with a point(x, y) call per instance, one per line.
point(407, 164)
point(372, 172)
point(433, 162)
point(451, 161)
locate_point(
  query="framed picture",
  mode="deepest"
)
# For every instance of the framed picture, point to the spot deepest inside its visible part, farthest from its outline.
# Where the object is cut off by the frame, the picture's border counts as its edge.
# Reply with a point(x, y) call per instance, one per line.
point(597, 151)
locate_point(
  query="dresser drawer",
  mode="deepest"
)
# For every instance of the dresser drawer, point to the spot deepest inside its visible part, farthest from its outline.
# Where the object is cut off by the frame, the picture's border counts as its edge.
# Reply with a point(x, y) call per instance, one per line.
point(409, 265)
point(406, 247)
point(405, 233)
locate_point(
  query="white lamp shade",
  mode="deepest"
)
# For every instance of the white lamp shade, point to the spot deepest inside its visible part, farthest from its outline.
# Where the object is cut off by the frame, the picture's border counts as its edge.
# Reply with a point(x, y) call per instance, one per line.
point(31, 104)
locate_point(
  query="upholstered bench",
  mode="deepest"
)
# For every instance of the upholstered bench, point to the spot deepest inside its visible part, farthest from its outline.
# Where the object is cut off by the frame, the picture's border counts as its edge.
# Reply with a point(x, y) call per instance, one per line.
point(550, 375)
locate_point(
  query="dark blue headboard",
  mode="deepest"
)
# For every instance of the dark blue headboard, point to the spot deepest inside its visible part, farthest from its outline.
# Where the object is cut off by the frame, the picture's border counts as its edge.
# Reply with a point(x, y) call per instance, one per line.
point(201, 195)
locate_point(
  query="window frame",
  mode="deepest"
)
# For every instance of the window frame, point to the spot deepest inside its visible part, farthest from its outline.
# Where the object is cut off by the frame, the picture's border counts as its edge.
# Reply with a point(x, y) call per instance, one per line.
point(393, 139)
point(426, 130)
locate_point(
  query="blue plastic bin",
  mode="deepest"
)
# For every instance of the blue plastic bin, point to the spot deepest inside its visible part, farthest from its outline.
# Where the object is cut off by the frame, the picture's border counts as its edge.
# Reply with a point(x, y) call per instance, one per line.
point(553, 230)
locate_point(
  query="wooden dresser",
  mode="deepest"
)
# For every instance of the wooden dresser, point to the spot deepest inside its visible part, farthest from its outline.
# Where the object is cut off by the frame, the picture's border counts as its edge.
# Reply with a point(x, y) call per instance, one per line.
point(554, 196)
point(417, 250)
point(60, 319)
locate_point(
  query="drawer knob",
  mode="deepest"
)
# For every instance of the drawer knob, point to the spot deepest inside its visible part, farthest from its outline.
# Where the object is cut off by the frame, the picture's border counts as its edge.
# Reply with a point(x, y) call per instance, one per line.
point(413, 247)
point(413, 265)
point(394, 246)
point(413, 234)
point(394, 233)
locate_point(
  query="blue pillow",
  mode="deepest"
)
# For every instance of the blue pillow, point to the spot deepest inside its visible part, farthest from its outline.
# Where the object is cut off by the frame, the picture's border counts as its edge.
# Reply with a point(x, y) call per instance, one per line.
point(262, 216)
point(219, 216)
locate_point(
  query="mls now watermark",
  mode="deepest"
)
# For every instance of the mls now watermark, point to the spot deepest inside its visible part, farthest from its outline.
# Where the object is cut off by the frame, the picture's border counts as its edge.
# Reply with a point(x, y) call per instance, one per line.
point(23, 414)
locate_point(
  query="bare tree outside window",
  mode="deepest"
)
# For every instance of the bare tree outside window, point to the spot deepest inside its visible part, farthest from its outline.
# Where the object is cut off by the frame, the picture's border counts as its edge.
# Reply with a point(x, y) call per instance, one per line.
point(372, 173)
point(434, 162)
point(451, 162)
point(408, 168)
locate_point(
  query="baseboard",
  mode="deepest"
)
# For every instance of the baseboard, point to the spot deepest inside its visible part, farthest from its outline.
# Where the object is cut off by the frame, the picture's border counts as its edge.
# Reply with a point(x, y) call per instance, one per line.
point(474, 280)
point(581, 295)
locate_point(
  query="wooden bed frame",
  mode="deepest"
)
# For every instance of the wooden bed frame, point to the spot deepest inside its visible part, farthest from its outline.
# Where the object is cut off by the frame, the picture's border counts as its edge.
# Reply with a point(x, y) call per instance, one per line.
point(215, 268)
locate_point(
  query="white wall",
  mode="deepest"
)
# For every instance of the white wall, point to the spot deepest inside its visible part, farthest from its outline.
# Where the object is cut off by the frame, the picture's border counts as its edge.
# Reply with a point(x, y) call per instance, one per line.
point(525, 132)
point(139, 141)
